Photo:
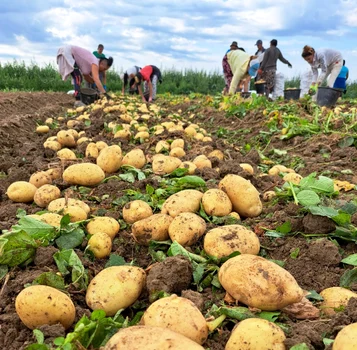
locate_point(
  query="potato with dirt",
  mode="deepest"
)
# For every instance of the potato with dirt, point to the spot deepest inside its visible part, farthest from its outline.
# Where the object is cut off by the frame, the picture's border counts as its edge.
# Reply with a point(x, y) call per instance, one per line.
point(135, 158)
point(334, 299)
point(66, 153)
point(43, 305)
point(150, 338)
point(115, 288)
point(100, 244)
point(179, 315)
point(135, 211)
point(84, 174)
point(215, 202)
point(243, 195)
point(259, 283)
point(66, 138)
point(40, 178)
point(21, 192)
point(202, 161)
point(92, 150)
point(110, 159)
point(256, 333)
point(162, 164)
point(61, 203)
point(46, 194)
point(186, 201)
point(346, 338)
point(76, 213)
point(105, 224)
point(48, 218)
point(222, 241)
point(152, 228)
point(187, 228)
point(189, 166)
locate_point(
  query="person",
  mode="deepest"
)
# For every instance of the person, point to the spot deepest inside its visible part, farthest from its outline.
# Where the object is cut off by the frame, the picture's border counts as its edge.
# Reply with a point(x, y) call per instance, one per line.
point(81, 63)
point(260, 47)
point(267, 68)
point(102, 76)
point(99, 53)
point(128, 79)
point(340, 82)
point(227, 73)
point(150, 75)
point(328, 60)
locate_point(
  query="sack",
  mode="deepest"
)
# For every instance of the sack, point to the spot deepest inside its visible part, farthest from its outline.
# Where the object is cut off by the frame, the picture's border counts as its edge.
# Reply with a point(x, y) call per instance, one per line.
point(279, 85)
point(305, 82)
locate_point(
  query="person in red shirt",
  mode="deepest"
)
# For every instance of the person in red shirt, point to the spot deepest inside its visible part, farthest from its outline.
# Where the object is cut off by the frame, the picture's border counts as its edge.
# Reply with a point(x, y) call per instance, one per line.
point(150, 75)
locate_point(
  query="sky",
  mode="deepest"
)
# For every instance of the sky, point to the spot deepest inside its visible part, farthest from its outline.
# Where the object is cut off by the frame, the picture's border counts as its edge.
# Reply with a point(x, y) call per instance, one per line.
point(179, 34)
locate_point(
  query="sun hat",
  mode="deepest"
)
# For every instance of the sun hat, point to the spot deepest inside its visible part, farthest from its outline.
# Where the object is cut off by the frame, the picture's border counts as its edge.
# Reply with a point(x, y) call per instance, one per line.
point(258, 42)
point(234, 43)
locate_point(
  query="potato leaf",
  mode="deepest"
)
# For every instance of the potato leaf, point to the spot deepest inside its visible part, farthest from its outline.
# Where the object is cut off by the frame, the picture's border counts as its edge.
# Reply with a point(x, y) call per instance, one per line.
point(323, 211)
point(177, 249)
point(308, 198)
point(348, 278)
point(191, 181)
point(3, 271)
point(350, 260)
point(115, 260)
point(313, 295)
point(50, 279)
point(301, 346)
point(128, 177)
point(70, 238)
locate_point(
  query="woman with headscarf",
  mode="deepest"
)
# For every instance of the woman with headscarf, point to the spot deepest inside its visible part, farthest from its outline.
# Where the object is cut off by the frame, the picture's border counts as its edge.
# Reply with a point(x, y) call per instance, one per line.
point(81, 63)
point(150, 75)
point(329, 61)
point(128, 78)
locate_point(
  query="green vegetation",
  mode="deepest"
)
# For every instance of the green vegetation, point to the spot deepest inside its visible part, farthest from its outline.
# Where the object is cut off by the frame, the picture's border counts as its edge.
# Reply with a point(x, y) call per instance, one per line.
point(19, 76)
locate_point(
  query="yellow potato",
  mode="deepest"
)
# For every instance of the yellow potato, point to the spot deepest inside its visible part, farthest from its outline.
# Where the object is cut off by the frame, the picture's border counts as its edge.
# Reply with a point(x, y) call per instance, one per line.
point(135, 211)
point(162, 164)
point(215, 202)
point(49, 121)
point(73, 132)
point(186, 201)
point(66, 153)
point(268, 195)
point(346, 338)
point(234, 215)
point(189, 166)
point(53, 145)
point(21, 191)
point(187, 228)
point(243, 195)
point(54, 173)
point(277, 169)
point(178, 143)
point(49, 218)
point(179, 315)
point(46, 194)
point(142, 135)
point(101, 145)
point(259, 283)
point(92, 150)
point(161, 146)
point(334, 298)
point(105, 224)
point(42, 129)
point(122, 134)
point(135, 158)
point(43, 305)
point(100, 244)
point(177, 152)
point(82, 140)
point(115, 288)
point(66, 138)
point(202, 162)
point(207, 139)
point(256, 333)
point(190, 131)
point(216, 153)
point(40, 178)
point(150, 338)
point(154, 227)
point(72, 123)
point(225, 240)
point(75, 213)
point(85, 174)
point(110, 159)
point(199, 136)
point(247, 167)
point(293, 178)
point(60, 203)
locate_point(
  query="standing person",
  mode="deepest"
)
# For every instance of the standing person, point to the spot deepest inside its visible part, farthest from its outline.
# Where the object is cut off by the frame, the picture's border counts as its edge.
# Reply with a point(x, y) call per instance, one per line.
point(102, 76)
point(150, 75)
point(267, 68)
point(260, 47)
point(81, 63)
point(340, 82)
point(128, 79)
point(328, 60)
point(99, 53)
point(238, 62)
point(227, 72)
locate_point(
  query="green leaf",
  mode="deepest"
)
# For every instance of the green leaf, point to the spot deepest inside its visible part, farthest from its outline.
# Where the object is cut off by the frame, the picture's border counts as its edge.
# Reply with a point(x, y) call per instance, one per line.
point(308, 198)
point(40, 338)
point(198, 272)
point(323, 211)
point(342, 219)
point(346, 142)
point(3, 271)
point(348, 278)
point(215, 282)
point(301, 346)
point(37, 347)
point(128, 177)
point(278, 262)
point(97, 315)
point(349, 208)
point(65, 221)
point(284, 228)
point(59, 341)
point(279, 152)
point(70, 239)
point(239, 313)
point(20, 213)
point(313, 295)
point(179, 172)
point(270, 316)
point(115, 260)
point(50, 279)
point(295, 253)
point(191, 181)
point(150, 190)
point(350, 260)
point(321, 184)
point(177, 249)
point(327, 341)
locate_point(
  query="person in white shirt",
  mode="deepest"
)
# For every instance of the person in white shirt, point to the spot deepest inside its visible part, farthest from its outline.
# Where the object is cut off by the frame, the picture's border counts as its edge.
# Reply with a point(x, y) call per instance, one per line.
point(128, 79)
point(329, 61)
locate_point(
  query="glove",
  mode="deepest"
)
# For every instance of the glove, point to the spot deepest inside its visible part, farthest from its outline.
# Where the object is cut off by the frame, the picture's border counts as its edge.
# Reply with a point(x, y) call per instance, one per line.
point(107, 96)
point(260, 72)
point(105, 87)
point(290, 65)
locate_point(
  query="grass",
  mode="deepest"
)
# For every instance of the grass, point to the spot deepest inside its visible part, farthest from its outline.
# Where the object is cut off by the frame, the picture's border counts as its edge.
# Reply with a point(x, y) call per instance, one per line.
point(21, 77)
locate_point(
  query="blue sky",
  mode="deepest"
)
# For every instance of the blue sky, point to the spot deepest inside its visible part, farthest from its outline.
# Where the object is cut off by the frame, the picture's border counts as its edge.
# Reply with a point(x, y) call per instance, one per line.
point(177, 33)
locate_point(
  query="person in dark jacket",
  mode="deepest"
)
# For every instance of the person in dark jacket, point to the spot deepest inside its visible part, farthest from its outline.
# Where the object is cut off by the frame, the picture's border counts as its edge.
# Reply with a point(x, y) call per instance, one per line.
point(150, 75)
point(128, 78)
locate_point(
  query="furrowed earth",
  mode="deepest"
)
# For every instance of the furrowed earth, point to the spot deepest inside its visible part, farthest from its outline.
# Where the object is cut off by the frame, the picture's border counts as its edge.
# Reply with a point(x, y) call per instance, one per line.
point(296, 134)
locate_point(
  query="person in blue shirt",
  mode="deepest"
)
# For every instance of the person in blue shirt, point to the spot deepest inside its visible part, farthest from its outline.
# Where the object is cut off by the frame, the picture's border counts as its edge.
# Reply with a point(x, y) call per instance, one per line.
point(340, 82)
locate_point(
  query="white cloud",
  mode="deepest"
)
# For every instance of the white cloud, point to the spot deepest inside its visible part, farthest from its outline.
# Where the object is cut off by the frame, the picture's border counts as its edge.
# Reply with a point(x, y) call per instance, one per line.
point(176, 24)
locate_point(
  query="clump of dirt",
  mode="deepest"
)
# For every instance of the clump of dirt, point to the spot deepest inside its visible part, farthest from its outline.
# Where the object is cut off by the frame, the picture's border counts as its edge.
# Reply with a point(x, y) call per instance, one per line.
point(218, 341)
point(195, 297)
point(172, 275)
point(44, 256)
point(52, 332)
point(318, 224)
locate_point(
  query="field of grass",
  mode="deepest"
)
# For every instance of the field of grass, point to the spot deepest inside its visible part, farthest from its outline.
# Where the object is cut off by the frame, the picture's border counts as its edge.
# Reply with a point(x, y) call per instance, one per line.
point(18, 76)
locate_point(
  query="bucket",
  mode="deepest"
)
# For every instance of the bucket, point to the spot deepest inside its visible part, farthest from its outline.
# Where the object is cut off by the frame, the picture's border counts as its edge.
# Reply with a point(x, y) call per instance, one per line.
point(245, 94)
point(327, 96)
point(292, 94)
point(260, 88)
point(88, 96)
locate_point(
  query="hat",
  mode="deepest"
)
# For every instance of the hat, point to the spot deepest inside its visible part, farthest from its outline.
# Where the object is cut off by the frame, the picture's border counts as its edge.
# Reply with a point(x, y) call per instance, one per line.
point(234, 43)
point(258, 42)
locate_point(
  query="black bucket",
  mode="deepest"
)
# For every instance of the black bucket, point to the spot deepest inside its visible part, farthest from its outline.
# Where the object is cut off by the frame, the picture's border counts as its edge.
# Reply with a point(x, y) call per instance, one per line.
point(88, 96)
point(292, 94)
point(327, 96)
point(260, 88)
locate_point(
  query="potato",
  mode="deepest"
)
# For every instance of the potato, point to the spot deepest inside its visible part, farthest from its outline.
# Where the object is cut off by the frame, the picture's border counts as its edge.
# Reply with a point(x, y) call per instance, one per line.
point(54, 173)
point(135, 158)
point(142, 135)
point(256, 333)
point(110, 159)
point(234, 215)
point(21, 191)
point(154, 227)
point(207, 139)
point(216, 153)
point(43, 305)
point(115, 288)
point(92, 150)
point(177, 152)
point(162, 164)
point(40, 178)
point(150, 338)
point(277, 169)
point(101, 145)
point(122, 134)
point(259, 283)
point(190, 131)
point(189, 166)
point(85, 174)
point(225, 240)
point(161, 146)
point(186, 201)
point(178, 314)
point(135, 211)
point(199, 136)
point(46, 194)
point(268, 195)
point(72, 123)
point(75, 213)
point(66, 153)
point(105, 224)
point(73, 132)
point(293, 178)
point(82, 140)
point(49, 121)
point(202, 162)
point(66, 138)
point(42, 129)
point(247, 167)
point(60, 203)
point(346, 338)
point(178, 143)
point(49, 218)
point(215, 202)
point(243, 195)
point(100, 244)
point(53, 145)
point(334, 298)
